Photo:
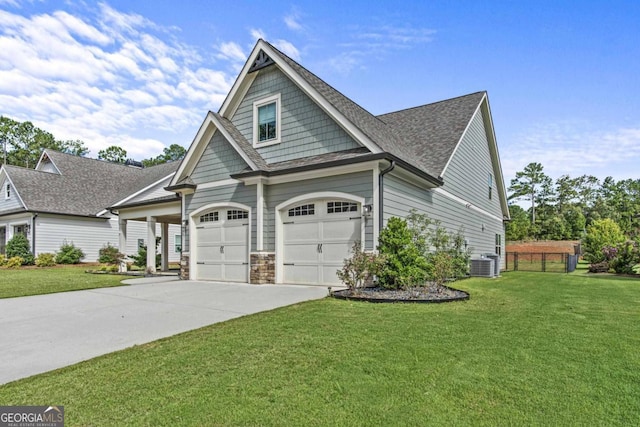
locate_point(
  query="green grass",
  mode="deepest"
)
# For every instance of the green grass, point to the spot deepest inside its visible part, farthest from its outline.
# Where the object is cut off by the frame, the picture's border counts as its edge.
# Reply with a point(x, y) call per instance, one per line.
point(526, 349)
point(36, 281)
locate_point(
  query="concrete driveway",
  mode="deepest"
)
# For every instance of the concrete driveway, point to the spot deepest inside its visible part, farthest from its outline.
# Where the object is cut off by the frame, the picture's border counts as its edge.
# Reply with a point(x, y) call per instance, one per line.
point(45, 332)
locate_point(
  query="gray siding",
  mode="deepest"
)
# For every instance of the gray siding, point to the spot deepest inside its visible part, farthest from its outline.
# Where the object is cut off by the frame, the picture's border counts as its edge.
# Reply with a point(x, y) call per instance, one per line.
point(218, 161)
point(13, 202)
point(306, 130)
point(468, 173)
point(400, 197)
point(238, 193)
point(359, 184)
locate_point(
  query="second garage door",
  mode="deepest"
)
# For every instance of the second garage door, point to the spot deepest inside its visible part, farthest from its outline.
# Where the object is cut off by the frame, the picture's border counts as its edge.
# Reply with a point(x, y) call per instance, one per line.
point(318, 236)
point(221, 242)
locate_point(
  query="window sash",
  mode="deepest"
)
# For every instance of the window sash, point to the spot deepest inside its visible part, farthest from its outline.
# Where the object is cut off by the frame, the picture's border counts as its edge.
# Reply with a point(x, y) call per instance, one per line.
point(267, 126)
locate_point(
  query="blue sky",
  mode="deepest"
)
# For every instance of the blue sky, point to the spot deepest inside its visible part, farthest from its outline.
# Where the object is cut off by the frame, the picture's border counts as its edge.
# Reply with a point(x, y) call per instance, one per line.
point(563, 77)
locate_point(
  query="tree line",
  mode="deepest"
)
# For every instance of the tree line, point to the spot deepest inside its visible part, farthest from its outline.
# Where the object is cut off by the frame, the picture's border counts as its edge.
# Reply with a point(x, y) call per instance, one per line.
point(564, 208)
point(22, 144)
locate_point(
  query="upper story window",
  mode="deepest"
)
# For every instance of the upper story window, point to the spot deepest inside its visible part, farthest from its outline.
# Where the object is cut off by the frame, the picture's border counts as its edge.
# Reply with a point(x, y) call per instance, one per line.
point(266, 121)
point(490, 182)
point(7, 192)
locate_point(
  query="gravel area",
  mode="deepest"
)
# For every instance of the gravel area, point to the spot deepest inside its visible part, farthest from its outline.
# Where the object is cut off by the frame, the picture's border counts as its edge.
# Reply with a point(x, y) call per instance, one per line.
point(430, 293)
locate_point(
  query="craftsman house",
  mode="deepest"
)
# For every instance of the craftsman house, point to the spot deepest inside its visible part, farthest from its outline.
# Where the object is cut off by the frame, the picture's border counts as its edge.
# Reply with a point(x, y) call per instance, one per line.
point(75, 199)
point(280, 182)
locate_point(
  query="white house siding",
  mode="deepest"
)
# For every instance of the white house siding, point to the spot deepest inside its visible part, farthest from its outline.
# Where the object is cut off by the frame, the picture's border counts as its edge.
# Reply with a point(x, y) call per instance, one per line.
point(306, 130)
point(91, 235)
point(358, 184)
point(11, 203)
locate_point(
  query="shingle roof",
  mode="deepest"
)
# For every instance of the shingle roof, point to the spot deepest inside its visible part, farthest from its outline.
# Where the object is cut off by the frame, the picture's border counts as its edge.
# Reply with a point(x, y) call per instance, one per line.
point(85, 186)
point(431, 132)
point(424, 137)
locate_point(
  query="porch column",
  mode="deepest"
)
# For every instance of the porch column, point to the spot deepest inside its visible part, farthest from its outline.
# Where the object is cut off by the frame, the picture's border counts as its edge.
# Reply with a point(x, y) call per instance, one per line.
point(122, 244)
point(164, 249)
point(151, 244)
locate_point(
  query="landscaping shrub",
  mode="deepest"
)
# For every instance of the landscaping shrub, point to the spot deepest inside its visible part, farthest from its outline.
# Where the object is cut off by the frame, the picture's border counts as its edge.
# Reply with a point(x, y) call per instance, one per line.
point(404, 266)
point(626, 256)
point(3, 260)
point(69, 254)
point(358, 270)
point(46, 259)
point(18, 246)
point(15, 262)
point(601, 233)
point(140, 259)
point(433, 240)
point(110, 255)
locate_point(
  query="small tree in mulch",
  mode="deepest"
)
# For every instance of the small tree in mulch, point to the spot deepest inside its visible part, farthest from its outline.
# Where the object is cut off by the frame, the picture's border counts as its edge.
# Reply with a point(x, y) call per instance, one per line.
point(359, 270)
point(404, 265)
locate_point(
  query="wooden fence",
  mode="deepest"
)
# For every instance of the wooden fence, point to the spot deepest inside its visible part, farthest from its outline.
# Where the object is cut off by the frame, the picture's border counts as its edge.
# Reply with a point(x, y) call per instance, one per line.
point(543, 261)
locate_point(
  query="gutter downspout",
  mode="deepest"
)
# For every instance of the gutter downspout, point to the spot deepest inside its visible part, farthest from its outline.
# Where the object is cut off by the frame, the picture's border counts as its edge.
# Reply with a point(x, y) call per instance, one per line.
point(33, 235)
point(382, 173)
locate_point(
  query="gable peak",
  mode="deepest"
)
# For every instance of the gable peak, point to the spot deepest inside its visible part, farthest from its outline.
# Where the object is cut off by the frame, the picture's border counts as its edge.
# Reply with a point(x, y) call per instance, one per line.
point(262, 60)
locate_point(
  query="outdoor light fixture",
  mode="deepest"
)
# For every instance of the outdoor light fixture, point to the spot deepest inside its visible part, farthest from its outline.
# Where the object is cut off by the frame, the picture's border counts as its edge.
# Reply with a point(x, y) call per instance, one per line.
point(367, 210)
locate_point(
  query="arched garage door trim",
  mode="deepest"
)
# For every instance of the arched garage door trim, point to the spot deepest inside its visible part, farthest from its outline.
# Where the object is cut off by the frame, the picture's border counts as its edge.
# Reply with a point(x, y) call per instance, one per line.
point(193, 224)
point(298, 200)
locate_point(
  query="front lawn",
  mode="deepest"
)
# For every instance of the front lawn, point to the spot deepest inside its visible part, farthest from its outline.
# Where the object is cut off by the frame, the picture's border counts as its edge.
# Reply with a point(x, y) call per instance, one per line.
point(36, 281)
point(526, 349)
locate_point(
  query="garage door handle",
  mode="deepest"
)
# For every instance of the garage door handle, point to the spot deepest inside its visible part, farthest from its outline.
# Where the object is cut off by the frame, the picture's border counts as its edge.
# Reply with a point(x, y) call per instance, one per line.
point(319, 248)
point(200, 262)
point(288, 263)
point(221, 249)
point(354, 217)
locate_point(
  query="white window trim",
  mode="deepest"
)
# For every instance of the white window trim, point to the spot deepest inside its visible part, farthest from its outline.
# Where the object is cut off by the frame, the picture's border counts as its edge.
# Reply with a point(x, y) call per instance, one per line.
point(7, 191)
point(258, 104)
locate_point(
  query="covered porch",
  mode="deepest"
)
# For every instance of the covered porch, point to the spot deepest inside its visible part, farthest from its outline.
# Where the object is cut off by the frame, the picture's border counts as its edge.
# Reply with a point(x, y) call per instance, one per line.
point(157, 214)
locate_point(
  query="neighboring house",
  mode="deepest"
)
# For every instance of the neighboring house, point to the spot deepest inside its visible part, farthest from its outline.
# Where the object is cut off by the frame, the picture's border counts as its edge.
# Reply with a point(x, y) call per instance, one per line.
point(66, 198)
point(280, 182)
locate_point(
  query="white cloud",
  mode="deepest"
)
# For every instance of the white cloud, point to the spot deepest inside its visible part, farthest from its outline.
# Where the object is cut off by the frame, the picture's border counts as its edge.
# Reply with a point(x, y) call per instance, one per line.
point(288, 49)
point(231, 51)
point(292, 21)
point(107, 77)
point(575, 148)
point(257, 34)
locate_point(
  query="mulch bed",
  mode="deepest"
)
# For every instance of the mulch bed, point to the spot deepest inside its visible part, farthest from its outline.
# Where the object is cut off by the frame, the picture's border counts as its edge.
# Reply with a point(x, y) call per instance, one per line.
point(431, 293)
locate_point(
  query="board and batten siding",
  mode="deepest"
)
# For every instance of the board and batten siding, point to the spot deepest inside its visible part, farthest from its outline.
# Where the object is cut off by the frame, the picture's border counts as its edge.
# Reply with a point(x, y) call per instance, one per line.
point(358, 184)
point(236, 193)
point(9, 204)
point(306, 130)
point(467, 175)
point(478, 229)
point(90, 235)
point(218, 161)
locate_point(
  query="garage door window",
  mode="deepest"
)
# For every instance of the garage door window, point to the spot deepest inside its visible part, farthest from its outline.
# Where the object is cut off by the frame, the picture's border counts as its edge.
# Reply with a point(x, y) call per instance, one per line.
point(338, 207)
point(303, 210)
point(237, 214)
point(209, 217)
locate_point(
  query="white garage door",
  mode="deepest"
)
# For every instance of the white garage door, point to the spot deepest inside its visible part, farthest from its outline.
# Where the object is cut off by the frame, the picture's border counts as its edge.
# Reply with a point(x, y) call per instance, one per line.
point(221, 242)
point(318, 236)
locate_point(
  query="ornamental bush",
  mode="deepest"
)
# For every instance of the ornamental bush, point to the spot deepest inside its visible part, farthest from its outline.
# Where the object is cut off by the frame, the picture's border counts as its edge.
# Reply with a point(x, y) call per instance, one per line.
point(359, 270)
point(69, 254)
point(46, 259)
point(14, 262)
point(18, 246)
point(404, 265)
point(626, 257)
point(110, 255)
point(601, 233)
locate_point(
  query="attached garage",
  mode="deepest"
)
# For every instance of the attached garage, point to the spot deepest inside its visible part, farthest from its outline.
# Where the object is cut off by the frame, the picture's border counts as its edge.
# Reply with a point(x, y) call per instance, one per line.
point(317, 235)
point(222, 250)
